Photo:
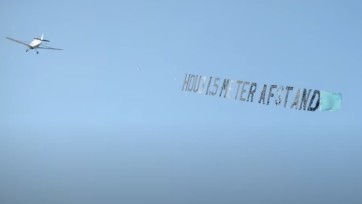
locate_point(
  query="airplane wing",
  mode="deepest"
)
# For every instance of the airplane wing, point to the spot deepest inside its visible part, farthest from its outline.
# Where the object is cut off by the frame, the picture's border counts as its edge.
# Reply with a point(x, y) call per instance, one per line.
point(18, 41)
point(49, 48)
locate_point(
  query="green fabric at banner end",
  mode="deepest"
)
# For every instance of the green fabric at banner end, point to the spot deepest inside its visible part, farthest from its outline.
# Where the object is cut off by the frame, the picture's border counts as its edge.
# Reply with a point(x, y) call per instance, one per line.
point(330, 101)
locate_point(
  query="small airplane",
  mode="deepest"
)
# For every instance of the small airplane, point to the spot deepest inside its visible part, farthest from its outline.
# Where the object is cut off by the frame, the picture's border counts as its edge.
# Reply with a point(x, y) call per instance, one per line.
point(35, 44)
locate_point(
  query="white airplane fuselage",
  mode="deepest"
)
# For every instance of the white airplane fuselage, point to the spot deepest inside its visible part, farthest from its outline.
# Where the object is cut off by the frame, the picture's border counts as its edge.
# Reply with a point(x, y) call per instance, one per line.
point(35, 44)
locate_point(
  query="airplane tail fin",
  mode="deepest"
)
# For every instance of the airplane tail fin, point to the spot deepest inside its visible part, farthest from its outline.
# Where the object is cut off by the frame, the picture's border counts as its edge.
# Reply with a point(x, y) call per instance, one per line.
point(41, 38)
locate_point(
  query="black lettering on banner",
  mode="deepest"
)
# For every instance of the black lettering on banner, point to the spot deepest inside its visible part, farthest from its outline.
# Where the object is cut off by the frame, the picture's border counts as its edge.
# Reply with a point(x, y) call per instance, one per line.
point(296, 100)
point(208, 86)
point(237, 91)
point(216, 85)
point(224, 87)
point(278, 99)
point(315, 94)
point(202, 81)
point(186, 82)
point(196, 83)
point(262, 95)
point(305, 97)
point(271, 94)
point(289, 88)
point(251, 92)
point(243, 90)
point(191, 80)
point(230, 88)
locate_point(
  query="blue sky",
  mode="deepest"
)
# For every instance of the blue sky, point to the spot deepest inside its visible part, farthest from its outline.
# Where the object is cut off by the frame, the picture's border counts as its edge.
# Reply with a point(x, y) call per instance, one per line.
point(105, 119)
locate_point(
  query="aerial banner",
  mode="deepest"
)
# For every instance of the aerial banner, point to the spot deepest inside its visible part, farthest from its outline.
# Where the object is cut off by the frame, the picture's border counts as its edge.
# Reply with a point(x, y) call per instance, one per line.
point(252, 92)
